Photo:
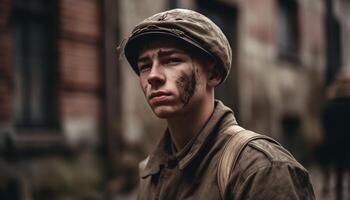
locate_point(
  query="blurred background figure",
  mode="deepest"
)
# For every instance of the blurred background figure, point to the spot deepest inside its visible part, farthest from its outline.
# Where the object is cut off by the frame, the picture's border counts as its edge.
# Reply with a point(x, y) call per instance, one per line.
point(336, 148)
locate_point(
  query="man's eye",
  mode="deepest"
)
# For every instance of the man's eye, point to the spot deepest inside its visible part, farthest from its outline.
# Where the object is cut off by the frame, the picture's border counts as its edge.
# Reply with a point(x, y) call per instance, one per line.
point(172, 61)
point(144, 67)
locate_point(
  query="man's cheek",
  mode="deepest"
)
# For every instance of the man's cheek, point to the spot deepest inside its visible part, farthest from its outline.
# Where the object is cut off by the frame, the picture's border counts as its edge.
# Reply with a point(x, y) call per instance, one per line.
point(186, 85)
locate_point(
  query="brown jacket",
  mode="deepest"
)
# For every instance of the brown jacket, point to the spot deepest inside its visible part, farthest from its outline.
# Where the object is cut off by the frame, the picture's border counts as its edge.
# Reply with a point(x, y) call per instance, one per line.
point(264, 170)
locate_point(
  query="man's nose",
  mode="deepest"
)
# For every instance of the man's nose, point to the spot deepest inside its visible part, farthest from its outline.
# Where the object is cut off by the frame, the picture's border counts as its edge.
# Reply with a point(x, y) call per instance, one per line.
point(156, 77)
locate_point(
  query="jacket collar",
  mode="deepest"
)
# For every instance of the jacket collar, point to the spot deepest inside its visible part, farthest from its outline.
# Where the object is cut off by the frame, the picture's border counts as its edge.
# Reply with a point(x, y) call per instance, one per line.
point(163, 155)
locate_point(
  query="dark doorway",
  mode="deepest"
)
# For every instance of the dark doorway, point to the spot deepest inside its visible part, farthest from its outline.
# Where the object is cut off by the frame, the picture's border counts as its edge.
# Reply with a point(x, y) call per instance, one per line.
point(225, 16)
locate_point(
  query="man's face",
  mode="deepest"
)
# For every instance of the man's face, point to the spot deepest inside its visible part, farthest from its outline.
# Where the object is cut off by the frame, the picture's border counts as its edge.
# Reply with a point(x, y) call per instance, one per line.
point(172, 80)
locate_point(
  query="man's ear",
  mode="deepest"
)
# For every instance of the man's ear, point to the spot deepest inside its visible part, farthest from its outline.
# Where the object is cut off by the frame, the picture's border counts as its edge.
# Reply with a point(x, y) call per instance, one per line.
point(214, 76)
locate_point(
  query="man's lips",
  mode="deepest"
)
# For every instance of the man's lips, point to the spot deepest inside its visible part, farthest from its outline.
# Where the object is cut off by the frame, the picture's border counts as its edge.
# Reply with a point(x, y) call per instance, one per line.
point(159, 97)
point(158, 94)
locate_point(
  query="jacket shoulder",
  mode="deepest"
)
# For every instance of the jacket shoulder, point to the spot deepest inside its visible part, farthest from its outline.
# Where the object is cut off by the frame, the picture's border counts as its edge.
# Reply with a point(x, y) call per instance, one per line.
point(262, 153)
point(265, 169)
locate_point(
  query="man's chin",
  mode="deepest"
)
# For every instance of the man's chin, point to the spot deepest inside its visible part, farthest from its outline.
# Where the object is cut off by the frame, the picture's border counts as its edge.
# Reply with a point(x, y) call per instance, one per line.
point(164, 113)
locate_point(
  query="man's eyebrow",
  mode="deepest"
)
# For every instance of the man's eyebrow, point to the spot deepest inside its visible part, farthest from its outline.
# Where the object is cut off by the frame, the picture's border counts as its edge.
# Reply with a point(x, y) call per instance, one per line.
point(167, 52)
point(160, 53)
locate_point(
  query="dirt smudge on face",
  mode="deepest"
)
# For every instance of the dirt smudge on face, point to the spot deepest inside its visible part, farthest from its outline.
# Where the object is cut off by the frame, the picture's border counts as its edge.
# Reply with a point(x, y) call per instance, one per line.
point(187, 85)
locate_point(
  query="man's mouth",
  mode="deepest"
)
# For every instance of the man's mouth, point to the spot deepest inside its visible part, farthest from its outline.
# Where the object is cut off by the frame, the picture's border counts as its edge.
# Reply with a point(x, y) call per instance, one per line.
point(159, 97)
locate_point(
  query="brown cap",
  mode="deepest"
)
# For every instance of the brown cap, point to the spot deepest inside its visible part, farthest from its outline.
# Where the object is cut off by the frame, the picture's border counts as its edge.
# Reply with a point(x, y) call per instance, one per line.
point(186, 26)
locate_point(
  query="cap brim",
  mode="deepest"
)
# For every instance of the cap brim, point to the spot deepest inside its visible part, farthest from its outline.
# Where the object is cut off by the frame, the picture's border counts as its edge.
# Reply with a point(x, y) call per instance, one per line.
point(134, 44)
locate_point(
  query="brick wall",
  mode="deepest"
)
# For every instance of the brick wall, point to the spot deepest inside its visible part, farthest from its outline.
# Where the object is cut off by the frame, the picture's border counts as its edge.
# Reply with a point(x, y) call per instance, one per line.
point(79, 52)
point(78, 93)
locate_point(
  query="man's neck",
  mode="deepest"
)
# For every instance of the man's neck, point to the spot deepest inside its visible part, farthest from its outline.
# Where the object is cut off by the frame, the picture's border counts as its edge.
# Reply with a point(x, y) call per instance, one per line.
point(185, 128)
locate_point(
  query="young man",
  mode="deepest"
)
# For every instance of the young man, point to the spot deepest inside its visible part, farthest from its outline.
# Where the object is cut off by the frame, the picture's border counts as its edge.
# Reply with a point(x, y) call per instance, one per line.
point(180, 57)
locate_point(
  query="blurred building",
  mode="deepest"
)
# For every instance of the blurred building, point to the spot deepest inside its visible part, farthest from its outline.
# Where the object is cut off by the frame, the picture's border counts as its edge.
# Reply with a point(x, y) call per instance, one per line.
point(54, 109)
point(74, 122)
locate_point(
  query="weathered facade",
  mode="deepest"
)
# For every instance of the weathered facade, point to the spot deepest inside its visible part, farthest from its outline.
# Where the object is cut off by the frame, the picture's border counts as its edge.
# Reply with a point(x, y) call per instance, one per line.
point(52, 98)
point(74, 122)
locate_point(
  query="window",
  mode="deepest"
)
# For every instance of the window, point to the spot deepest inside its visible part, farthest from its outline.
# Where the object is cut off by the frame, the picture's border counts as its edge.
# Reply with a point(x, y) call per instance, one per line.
point(287, 33)
point(33, 58)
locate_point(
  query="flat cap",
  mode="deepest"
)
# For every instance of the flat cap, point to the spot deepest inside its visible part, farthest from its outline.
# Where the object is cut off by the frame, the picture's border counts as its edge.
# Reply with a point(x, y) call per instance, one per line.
point(186, 26)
